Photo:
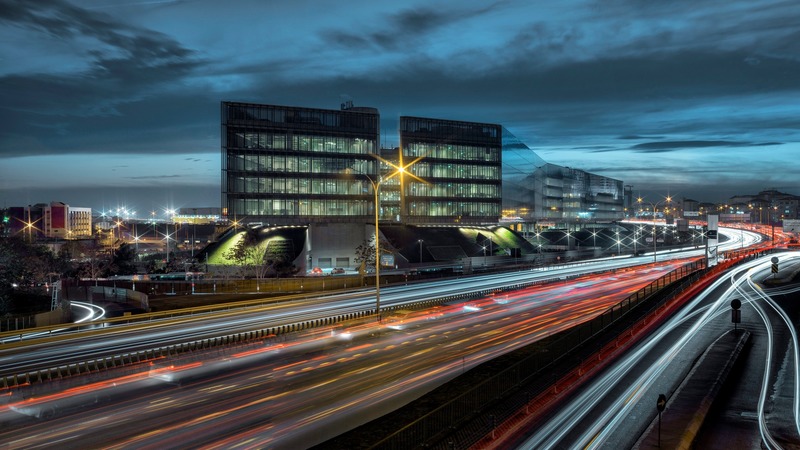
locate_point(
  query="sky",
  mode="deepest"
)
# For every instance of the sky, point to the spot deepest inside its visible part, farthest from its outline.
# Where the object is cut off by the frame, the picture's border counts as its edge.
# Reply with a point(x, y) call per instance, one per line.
point(109, 103)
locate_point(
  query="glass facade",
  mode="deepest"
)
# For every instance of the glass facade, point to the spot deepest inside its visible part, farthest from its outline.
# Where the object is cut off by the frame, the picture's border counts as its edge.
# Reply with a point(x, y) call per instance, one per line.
point(458, 173)
point(289, 165)
point(538, 191)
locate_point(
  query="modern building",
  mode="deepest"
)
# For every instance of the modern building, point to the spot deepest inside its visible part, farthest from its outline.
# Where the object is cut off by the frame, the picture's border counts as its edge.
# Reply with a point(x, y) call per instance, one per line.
point(456, 168)
point(80, 223)
point(321, 169)
point(286, 166)
point(538, 193)
point(290, 165)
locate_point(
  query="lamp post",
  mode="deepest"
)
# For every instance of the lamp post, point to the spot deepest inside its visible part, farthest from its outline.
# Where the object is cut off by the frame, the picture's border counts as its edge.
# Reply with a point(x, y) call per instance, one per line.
point(655, 231)
point(376, 185)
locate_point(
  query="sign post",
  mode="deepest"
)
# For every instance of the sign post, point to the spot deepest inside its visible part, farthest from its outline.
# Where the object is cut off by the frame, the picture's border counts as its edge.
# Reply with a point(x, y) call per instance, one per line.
point(736, 314)
point(661, 403)
point(712, 239)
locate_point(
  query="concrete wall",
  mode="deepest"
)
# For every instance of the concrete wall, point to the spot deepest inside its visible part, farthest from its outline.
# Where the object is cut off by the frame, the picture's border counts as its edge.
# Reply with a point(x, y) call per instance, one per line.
point(330, 245)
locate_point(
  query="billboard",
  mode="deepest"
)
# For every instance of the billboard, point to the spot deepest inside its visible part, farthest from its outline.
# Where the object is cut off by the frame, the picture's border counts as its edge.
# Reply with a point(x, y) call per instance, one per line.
point(791, 226)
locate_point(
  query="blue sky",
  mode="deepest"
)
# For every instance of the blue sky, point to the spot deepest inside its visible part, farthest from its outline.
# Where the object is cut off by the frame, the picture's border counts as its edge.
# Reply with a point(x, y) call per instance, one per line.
point(116, 102)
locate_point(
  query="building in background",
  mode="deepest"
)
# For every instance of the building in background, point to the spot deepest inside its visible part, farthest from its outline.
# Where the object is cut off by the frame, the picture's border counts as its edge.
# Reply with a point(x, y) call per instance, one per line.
point(56, 220)
point(539, 194)
point(80, 223)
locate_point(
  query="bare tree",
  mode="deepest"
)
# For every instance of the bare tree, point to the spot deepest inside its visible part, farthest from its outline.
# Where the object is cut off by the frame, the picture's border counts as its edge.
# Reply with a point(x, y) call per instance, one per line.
point(365, 253)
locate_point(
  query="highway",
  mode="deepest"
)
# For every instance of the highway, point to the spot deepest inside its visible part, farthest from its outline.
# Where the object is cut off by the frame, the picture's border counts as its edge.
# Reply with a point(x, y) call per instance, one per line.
point(615, 407)
point(299, 390)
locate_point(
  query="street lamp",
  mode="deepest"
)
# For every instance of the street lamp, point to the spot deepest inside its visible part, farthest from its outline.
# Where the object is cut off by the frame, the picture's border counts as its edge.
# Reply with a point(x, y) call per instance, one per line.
point(655, 205)
point(376, 185)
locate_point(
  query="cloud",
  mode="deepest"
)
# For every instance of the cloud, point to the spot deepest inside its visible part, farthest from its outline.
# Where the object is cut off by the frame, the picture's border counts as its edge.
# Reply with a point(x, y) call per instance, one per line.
point(666, 146)
point(154, 177)
point(401, 29)
point(125, 65)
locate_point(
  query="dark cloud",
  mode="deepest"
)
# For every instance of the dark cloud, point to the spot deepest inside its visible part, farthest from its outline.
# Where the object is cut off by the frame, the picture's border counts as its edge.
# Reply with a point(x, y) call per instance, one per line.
point(665, 146)
point(128, 65)
point(638, 137)
point(401, 29)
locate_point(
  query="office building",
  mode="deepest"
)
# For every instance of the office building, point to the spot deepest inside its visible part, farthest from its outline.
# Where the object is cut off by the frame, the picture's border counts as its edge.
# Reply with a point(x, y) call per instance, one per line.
point(291, 165)
point(457, 168)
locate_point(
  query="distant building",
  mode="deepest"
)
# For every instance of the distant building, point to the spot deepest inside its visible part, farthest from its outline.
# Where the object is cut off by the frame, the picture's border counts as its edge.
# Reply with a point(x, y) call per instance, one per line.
point(80, 223)
point(55, 220)
point(197, 216)
point(769, 206)
point(536, 192)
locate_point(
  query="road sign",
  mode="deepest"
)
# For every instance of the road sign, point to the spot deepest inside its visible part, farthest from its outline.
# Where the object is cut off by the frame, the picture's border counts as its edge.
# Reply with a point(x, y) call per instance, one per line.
point(774, 268)
point(774, 260)
point(736, 303)
point(662, 402)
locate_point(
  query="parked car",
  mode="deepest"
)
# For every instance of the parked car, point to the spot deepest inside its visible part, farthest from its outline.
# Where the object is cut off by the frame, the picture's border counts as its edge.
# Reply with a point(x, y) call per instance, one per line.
point(337, 271)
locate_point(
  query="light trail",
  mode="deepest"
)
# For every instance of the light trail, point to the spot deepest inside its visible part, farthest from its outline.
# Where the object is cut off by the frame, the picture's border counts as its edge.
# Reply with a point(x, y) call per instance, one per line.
point(302, 392)
point(595, 434)
point(755, 294)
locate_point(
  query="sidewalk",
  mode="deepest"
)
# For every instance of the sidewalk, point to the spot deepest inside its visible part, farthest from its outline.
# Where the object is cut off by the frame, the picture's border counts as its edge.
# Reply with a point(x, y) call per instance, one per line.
point(687, 408)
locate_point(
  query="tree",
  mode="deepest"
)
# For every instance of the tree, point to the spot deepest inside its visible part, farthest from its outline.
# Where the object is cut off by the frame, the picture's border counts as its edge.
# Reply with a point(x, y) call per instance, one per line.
point(123, 260)
point(25, 270)
point(365, 252)
point(94, 260)
point(249, 255)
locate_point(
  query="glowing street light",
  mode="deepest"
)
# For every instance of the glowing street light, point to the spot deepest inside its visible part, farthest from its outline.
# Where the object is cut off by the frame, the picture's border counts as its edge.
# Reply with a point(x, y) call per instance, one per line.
point(376, 185)
point(655, 205)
